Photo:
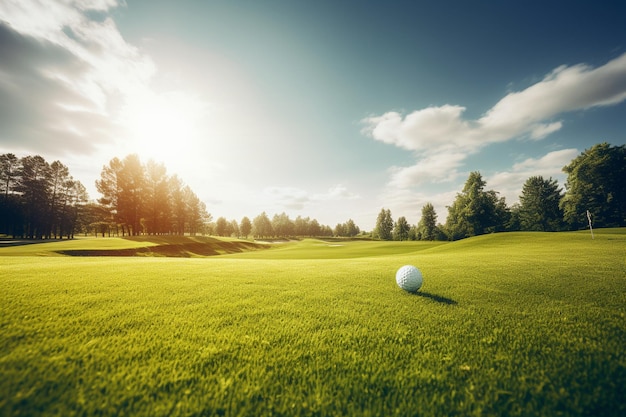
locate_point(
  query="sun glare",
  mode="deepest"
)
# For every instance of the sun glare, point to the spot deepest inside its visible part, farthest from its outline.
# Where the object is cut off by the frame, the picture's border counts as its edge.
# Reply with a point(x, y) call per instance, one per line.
point(165, 128)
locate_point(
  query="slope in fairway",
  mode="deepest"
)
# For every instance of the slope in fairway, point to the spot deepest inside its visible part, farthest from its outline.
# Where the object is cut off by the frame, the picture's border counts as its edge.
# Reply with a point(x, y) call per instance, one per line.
point(508, 324)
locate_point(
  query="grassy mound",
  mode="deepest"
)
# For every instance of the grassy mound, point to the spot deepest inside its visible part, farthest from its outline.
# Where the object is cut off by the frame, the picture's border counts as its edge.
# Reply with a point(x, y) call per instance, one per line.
point(507, 324)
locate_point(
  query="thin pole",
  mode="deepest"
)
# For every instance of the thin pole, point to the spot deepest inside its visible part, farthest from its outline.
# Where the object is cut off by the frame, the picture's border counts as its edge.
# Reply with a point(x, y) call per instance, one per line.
point(589, 218)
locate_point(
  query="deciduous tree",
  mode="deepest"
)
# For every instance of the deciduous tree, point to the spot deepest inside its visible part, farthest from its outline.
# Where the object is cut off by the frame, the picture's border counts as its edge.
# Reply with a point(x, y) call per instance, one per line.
point(401, 229)
point(427, 226)
point(262, 226)
point(475, 211)
point(595, 182)
point(245, 227)
point(384, 225)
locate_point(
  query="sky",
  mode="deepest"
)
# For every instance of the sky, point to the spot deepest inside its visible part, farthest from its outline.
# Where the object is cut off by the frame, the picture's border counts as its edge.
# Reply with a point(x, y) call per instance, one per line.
point(325, 109)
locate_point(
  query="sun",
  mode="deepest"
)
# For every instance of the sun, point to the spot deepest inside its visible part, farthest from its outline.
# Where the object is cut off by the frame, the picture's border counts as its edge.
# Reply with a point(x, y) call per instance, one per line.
point(164, 127)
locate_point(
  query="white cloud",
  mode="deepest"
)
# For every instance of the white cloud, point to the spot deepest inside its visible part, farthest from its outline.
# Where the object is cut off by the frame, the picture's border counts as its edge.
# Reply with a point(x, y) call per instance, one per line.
point(65, 73)
point(509, 183)
point(548, 163)
point(435, 168)
point(429, 130)
point(336, 192)
point(542, 130)
point(563, 90)
point(441, 138)
point(517, 114)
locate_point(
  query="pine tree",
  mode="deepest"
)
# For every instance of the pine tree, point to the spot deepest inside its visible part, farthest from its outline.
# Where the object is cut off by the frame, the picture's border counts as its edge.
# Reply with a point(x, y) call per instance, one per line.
point(539, 205)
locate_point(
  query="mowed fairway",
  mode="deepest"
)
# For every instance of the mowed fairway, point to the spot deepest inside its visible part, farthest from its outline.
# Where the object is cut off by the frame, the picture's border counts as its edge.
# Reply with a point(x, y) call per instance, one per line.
point(505, 324)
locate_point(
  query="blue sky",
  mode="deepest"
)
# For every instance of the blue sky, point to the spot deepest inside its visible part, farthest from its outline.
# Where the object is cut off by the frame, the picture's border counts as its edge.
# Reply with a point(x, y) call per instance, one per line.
point(326, 109)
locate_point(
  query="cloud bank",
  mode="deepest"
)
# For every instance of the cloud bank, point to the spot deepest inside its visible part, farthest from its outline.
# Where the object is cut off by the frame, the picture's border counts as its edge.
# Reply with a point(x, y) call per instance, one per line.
point(63, 74)
point(442, 138)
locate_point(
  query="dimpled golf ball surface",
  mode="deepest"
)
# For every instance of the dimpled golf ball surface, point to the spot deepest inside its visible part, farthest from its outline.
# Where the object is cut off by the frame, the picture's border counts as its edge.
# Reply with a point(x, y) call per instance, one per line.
point(409, 278)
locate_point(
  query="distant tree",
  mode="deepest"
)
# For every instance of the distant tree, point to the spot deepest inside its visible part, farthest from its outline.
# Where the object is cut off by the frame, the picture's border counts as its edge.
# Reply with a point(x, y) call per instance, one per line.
point(58, 195)
point(347, 229)
point(351, 228)
point(196, 214)
point(282, 225)
point(539, 205)
point(97, 219)
point(340, 230)
point(178, 220)
point(234, 226)
point(34, 185)
point(157, 203)
point(326, 231)
point(427, 226)
point(514, 222)
point(9, 171)
point(595, 182)
point(315, 229)
point(262, 226)
point(109, 187)
point(11, 213)
point(245, 227)
point(11, 208)
point(475, 211)
point(384, 225)
point(122, 187)
point(40, 200)
point(301, 226)
point(221, 226)
point(131, 198)
point(501, 217)
point(401, 229)
point(72, 211)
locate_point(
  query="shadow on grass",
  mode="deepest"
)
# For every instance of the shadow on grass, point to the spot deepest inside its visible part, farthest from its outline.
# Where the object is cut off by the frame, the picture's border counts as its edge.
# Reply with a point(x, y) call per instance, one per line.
point(4, 243)
point(435, 297)
point(182, 250)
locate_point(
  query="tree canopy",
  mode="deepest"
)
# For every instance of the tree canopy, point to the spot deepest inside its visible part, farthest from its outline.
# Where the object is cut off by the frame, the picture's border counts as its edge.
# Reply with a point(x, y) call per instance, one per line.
point(475, 211)
point(596, 182)
point(39, 199)
point(384, 225)
point(427, 226)
point(539, 205)
point(144, 199)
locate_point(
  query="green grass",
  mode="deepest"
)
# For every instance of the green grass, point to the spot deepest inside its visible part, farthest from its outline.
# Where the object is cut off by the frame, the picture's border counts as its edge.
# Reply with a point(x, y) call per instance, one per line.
point(505, 324)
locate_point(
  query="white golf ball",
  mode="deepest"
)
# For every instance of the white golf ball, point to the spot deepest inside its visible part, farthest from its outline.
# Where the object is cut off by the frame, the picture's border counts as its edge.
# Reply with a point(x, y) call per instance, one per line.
point(409, 278)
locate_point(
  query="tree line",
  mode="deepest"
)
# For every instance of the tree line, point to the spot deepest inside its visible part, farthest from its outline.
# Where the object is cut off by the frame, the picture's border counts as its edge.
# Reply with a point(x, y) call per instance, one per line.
point(142, 198)
point(595, 189)
point(281, 226)
point(39, 200)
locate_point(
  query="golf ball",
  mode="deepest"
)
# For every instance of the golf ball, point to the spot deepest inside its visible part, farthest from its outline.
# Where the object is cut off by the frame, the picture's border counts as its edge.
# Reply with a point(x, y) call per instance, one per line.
point(409, 278)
